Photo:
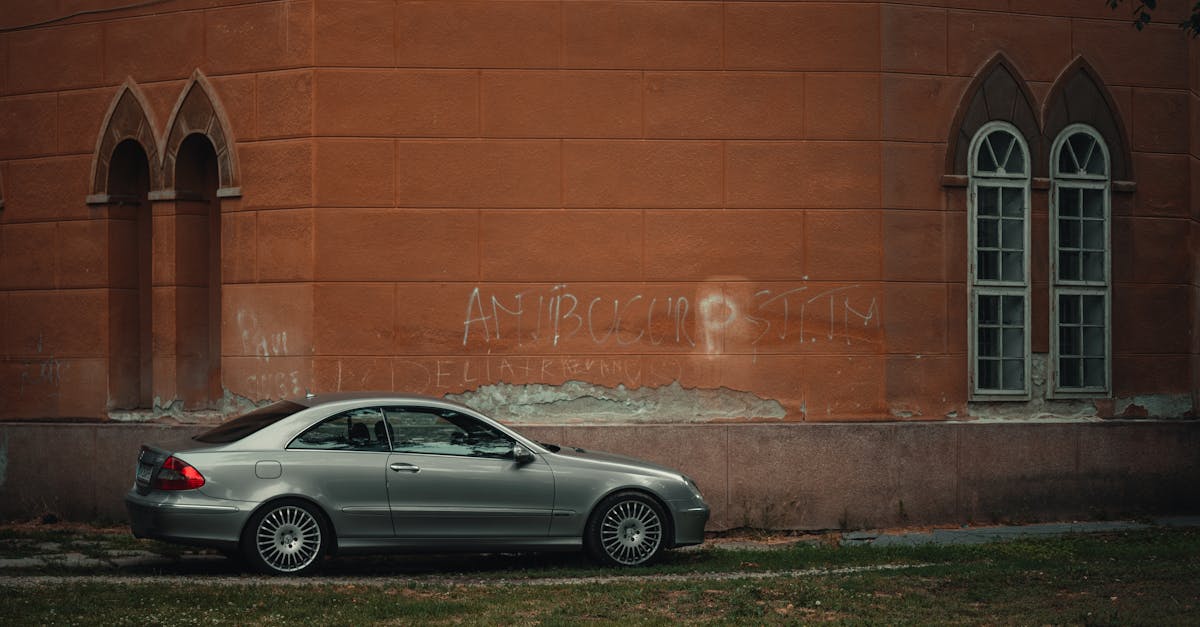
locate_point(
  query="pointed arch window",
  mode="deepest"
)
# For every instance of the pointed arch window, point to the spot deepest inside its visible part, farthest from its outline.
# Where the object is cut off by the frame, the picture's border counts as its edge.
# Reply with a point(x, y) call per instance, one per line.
point(999, 263)
point(1081, 291)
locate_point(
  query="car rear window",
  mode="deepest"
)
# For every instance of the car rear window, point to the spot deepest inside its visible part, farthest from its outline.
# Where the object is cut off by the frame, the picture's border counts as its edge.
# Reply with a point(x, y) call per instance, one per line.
point(244, 425)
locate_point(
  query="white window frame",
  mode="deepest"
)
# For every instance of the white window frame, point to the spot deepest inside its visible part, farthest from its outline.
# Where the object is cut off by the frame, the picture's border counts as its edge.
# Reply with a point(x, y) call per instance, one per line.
point(988, 287)
point(1081, 286)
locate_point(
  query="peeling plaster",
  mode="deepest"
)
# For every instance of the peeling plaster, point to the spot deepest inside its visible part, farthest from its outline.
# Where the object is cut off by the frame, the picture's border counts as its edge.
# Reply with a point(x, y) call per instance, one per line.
point(581, 402)
point(173, 412)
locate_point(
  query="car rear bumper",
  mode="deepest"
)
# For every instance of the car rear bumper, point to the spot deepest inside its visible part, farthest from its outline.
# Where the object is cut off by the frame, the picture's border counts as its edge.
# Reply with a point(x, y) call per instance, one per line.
point(689, 525)
point(183, 520)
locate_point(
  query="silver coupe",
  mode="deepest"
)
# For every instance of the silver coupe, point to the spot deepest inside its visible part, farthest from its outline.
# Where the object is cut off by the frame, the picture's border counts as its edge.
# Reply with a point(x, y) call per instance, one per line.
point(293, 481)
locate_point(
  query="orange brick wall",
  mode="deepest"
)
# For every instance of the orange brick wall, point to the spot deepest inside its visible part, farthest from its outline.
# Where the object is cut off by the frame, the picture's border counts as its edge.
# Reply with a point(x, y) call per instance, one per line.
point(439, 196)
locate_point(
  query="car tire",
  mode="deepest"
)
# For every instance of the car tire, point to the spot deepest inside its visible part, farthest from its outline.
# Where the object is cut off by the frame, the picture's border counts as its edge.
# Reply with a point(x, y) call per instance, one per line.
point(626, 529)
point(287, 537)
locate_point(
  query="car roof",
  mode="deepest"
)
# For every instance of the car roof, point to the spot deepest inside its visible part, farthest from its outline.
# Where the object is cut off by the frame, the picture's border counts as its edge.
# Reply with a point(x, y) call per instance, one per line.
point(324, 398)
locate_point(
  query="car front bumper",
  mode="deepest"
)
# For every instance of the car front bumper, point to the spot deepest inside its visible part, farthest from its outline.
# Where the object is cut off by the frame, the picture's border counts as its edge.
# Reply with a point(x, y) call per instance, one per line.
point(689, 524)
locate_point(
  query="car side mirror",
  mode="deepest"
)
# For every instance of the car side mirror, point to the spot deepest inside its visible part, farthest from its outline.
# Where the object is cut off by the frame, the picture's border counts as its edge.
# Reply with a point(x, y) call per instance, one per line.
point(521, 454)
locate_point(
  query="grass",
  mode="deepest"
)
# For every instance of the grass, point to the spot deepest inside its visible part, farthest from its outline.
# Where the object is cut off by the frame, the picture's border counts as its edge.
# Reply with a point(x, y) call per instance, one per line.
point(1145, 577)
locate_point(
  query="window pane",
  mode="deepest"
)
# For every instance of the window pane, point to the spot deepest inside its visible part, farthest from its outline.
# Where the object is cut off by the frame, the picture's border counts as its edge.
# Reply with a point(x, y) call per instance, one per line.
point(985, 162)
point(1014, 202)
point(445, 432)
point(1093, 310)
point(1014, 342)
point(1068, 233)
point(1016, 161)
point(988, 264)
point(988, 233)
point(989, 374)
point(1014, 311)
point(1083, 146)
point(1066, 161)
point(1068, 372)
point(988, 342)
point(1096, 164)
point(1093, 203)
point(1068, 309)
point(1068, 266)
point(1002, 144)
point(1068, 341)
point(989, 201)
point(989, 310)
point(1093, 234)
point(1093, 373)
point(1014, 374)
point(1014, 266)
point(1068, 201)
point(357, 429)
point(1013, 234)
point(1093, 266)
point(1093, 341)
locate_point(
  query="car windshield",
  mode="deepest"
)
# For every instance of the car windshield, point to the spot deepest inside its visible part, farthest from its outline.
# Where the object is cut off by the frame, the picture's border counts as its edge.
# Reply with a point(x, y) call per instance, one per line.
point(244, 425)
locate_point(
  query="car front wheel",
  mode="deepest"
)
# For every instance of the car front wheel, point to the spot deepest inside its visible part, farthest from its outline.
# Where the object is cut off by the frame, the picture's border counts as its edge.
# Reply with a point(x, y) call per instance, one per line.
point(285, 538)
point(626, 529)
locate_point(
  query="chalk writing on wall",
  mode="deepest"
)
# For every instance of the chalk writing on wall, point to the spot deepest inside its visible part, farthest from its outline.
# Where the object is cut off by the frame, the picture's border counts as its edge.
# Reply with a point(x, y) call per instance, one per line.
point(703, 321)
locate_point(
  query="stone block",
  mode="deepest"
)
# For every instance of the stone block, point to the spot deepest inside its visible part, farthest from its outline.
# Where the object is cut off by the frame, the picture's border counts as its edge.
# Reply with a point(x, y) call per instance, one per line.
point(1039, 46)
point(561, 103)
point(557, 246)
point(914, 39)
point(643, 35)
point(802, 36)
point(826, 114)
point(53, 59)
point(354, 319)
point(268, 321)
point(397, 103)
point(28, 127)
point(912, 176)
point(154, 48)
point(472, 173)
point(915, 319)
point(1156, 121)
point(698, 245)
point(285, 245)
point(356, 33)
point(641, 174)
point(843, 245)
point(835, 175)
point(726, 105)
point(285, 104)
point(29, 261)
point(391, 245)
point(82, 253)
point(914, 245)
point(355, 172)
point(280, 173)
point(503, 34)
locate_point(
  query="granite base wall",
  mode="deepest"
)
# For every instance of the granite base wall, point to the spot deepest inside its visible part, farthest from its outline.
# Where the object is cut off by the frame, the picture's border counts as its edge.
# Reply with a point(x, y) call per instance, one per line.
point(779, 476)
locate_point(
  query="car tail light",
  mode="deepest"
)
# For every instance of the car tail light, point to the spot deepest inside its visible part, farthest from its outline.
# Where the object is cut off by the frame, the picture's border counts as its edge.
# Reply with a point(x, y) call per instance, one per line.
point(177, 474)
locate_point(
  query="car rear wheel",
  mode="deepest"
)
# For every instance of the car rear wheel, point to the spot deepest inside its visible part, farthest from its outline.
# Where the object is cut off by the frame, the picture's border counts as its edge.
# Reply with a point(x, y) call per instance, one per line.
point(285, 538)
point(626, 529)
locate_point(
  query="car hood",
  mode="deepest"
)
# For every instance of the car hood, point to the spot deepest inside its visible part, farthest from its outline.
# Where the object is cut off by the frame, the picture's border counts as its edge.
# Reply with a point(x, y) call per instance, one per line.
point(592, 458)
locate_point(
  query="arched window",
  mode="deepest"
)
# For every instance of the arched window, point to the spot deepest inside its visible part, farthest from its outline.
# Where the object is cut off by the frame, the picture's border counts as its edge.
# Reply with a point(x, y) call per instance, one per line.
point(1080, 290)
point(999, 262)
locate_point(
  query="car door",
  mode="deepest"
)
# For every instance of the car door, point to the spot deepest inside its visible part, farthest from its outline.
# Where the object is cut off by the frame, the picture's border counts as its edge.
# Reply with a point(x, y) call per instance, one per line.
point(341, 463)
point(451, 475)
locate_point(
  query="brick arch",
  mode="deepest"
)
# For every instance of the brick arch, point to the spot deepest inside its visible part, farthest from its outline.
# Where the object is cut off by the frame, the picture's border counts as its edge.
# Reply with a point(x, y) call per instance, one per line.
point(1079, 96)
point(199, 112)
point(129, 117)
point(998, 92)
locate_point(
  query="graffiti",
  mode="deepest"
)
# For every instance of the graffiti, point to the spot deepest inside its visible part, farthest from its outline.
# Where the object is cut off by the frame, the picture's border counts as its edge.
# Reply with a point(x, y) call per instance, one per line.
point(439, 375)
point(37, 375)
point(550, 318)
point(256, 340)
point(267, 382)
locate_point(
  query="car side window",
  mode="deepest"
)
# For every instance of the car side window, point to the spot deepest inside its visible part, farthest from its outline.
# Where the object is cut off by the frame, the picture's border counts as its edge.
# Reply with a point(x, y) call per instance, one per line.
point(428, 430)
point(355, 430)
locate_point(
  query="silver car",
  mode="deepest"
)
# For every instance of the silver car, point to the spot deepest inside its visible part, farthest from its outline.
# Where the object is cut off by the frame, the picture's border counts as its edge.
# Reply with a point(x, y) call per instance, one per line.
point(355, 473)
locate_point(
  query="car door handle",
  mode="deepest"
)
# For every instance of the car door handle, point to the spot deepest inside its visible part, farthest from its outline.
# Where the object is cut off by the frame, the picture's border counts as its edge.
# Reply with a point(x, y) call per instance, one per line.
point(405, 468)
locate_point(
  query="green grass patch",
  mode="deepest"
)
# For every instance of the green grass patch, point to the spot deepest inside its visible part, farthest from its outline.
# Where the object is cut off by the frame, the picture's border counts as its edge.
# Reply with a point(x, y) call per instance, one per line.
point(1147, 577)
